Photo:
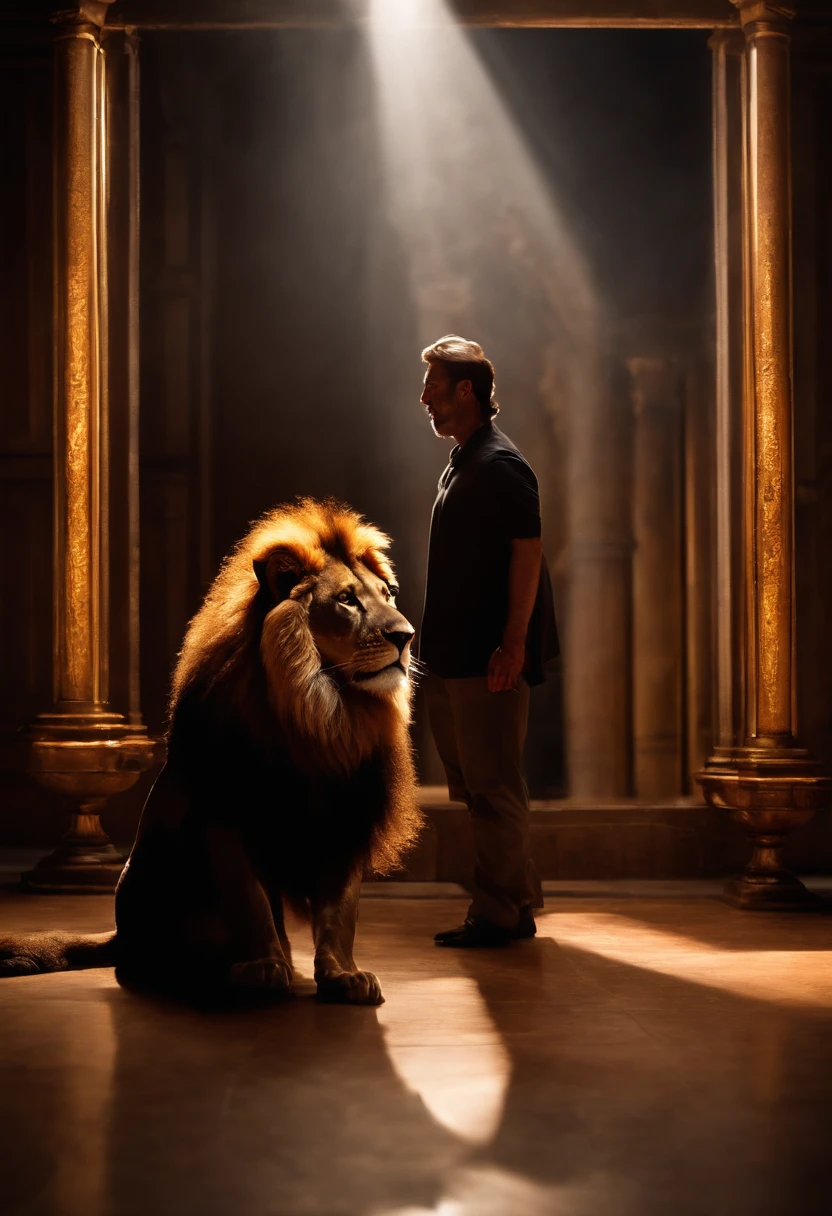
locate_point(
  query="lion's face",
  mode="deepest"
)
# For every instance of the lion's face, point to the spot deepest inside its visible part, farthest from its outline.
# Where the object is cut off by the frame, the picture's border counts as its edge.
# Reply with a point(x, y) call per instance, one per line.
point(310, 591)
point(347, 612)
point(361, 636)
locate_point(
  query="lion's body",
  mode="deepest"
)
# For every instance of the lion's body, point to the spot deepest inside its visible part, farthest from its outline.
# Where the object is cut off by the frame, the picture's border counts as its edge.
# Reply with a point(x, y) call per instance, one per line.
point(289, 770)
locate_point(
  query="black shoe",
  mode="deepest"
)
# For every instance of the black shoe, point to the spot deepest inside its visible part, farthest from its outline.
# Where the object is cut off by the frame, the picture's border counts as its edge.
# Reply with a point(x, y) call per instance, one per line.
point(526, 926)
point(474, 932)
point(446, 933)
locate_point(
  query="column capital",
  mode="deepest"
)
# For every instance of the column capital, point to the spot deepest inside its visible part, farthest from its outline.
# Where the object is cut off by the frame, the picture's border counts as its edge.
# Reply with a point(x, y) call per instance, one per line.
point(765, 16)
point(85, 17)
point(126, 39)
point(732, 40)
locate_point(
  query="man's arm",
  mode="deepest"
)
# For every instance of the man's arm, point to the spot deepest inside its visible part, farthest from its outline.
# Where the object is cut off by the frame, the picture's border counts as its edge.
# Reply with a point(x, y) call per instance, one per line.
point(506, 663)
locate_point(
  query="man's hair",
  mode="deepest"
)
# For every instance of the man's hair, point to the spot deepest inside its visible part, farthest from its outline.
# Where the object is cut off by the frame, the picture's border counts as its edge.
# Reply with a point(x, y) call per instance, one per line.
point(464, 360)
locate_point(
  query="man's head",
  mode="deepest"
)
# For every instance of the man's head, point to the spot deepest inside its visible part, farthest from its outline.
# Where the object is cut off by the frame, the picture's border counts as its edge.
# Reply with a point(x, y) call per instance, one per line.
point(458, 391)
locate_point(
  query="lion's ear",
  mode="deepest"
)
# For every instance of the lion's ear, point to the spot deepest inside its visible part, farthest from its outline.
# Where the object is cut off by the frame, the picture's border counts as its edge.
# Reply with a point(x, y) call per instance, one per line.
point(279, 574)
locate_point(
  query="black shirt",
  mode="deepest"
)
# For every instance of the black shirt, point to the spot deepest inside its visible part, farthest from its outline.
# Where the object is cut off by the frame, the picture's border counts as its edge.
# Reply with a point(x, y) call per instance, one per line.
point(487, 498)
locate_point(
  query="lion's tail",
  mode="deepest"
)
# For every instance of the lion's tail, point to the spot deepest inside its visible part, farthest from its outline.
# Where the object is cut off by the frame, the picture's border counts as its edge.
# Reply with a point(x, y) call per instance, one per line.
point(33, 953)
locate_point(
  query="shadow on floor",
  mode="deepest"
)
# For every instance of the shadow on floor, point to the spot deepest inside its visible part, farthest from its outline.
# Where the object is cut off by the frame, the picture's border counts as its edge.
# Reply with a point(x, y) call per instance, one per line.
point(625, 1091)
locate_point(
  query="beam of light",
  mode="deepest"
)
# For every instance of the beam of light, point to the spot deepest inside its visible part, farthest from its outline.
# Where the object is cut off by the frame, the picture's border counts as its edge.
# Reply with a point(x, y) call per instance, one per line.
point(462, 189)
point(486, 250)
point(783, 977)
point(445, 1047)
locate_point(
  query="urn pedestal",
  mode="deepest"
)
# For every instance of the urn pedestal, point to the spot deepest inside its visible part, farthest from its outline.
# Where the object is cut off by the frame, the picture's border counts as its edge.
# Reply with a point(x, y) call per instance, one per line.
point(769, 794)
point(85, 758)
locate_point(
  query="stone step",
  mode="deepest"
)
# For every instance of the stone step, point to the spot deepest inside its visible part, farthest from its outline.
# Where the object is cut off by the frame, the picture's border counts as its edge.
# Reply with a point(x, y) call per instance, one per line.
point(625, 839)
point(572, 841)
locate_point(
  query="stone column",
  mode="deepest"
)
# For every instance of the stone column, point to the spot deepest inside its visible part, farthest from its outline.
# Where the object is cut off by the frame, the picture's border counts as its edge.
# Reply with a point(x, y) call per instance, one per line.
point(658, 633)
point(596, 638)
point(773, 785)
point(123, 121)
point(81, 749)
point(698, 595)
point(727, 47)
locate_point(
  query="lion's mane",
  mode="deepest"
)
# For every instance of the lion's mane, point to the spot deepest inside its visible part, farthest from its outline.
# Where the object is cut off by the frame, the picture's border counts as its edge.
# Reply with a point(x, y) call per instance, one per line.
point(249, 673)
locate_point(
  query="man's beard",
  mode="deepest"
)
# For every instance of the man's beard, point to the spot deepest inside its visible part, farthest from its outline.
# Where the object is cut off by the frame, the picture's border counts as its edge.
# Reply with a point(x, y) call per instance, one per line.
point(440, 420)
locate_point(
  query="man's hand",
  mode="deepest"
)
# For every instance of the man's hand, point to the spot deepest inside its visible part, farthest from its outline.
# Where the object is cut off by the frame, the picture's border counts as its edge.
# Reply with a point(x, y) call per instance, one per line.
point(505, 666)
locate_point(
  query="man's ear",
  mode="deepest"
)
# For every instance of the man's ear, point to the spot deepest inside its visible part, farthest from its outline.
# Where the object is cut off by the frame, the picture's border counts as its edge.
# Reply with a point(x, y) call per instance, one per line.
point(279, 573)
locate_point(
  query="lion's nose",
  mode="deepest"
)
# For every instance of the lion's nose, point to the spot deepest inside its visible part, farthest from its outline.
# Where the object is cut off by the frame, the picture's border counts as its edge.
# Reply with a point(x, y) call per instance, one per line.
point(399, 637)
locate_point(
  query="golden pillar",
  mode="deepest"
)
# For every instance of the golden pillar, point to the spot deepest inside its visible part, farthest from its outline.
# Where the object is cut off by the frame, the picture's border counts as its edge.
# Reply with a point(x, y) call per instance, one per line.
point(81, 749)
point(768, 783)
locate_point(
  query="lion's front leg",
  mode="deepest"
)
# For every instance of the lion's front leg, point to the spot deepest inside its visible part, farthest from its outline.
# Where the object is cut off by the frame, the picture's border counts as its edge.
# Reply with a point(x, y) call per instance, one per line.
point(334, 916)
point(260, 961)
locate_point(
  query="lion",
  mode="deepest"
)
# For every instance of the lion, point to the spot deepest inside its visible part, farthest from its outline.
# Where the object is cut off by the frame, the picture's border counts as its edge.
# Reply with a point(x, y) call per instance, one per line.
point(289, 772)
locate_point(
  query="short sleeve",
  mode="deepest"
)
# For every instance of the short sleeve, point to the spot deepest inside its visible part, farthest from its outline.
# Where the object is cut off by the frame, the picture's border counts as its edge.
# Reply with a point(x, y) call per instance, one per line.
point(513, 489)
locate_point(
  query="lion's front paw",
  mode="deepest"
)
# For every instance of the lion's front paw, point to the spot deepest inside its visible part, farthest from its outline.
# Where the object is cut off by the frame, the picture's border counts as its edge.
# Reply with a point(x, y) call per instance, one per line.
point(350, 988)
point(262, 973)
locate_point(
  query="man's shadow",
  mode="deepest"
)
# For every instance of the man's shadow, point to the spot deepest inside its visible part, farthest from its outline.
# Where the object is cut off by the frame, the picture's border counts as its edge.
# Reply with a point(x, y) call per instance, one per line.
point(635, 1091)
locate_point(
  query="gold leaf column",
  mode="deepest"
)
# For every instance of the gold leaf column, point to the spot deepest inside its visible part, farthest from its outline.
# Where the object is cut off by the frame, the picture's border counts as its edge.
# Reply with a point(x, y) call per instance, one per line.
point(768, 783)
point(81, 749)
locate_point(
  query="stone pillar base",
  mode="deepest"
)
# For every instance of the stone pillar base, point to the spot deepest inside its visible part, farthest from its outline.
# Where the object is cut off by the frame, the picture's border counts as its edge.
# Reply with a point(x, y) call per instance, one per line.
point(772, 891)
point(770, 791)
point(78, 866)
point(85, 754)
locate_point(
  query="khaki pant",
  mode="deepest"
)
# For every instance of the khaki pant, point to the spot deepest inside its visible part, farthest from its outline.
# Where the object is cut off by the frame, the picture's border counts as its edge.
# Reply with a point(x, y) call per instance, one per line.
point(479, 736)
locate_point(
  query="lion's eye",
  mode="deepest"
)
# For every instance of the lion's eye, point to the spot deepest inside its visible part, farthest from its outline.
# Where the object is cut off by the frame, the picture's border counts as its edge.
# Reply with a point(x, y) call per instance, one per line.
point(347, 597)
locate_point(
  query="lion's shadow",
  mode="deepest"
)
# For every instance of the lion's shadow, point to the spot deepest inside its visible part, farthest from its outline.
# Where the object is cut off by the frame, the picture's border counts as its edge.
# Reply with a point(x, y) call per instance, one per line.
point(295, 1108)
point(301, 1109)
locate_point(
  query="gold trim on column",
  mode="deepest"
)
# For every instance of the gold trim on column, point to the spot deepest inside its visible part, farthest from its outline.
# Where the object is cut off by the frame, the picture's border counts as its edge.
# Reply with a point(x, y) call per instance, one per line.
point(81, 749)
point(771, 786)
point(748, 725)
point(78, 380)
point(770, 267)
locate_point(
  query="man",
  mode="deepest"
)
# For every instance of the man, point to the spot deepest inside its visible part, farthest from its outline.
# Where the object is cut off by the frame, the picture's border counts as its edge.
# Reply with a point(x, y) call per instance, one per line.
point(488, 627)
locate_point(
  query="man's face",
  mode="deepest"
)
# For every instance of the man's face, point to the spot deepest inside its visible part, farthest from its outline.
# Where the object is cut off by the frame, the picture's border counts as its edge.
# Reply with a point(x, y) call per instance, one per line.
point(443, 400)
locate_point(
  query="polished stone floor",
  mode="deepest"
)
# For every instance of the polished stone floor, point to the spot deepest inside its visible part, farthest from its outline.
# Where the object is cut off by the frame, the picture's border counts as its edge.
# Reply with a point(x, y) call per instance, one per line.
point(654, 1055)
